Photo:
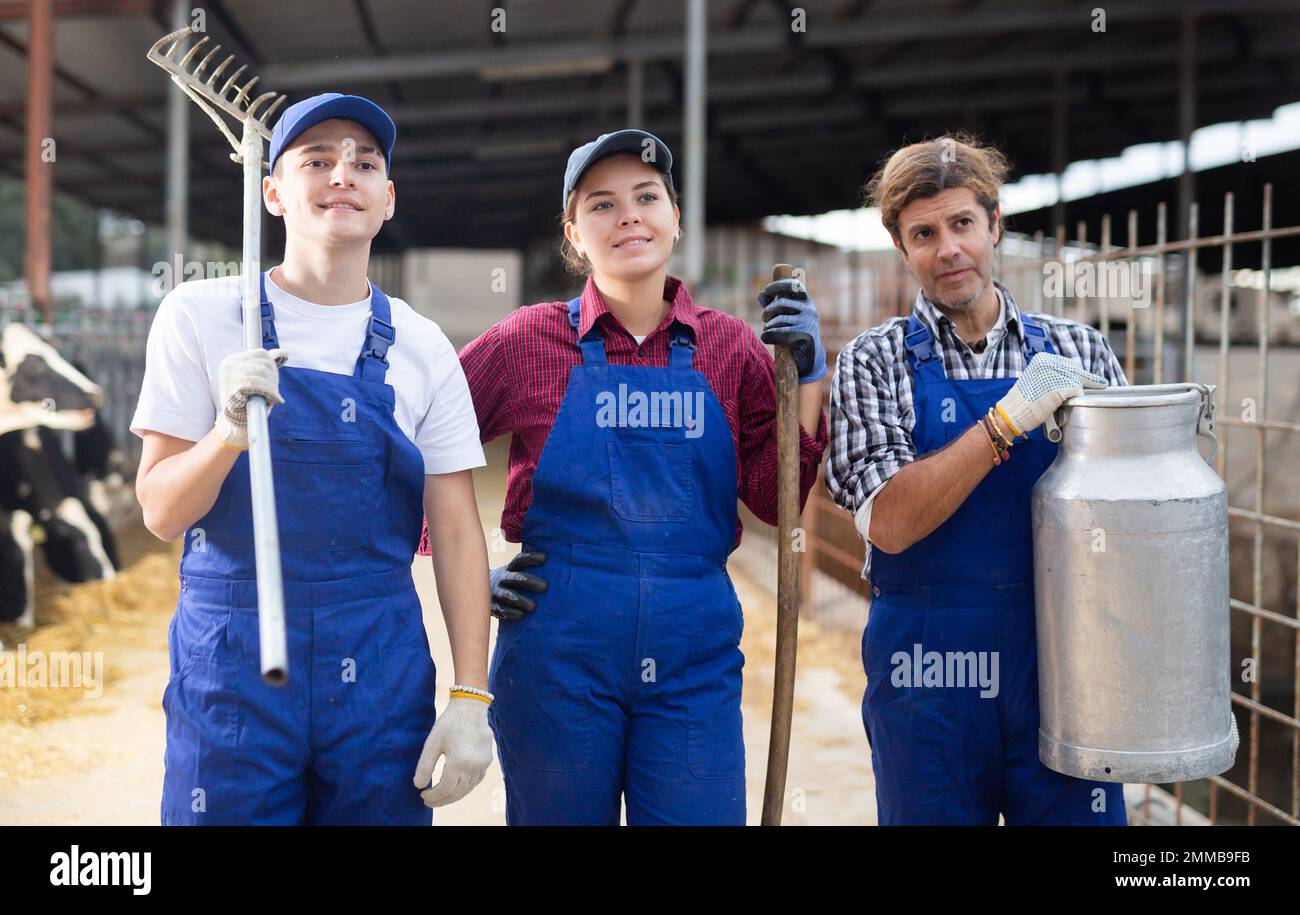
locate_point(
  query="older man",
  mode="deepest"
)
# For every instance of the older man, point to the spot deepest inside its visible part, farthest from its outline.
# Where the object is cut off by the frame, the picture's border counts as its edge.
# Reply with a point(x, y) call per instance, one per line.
point(935, 447)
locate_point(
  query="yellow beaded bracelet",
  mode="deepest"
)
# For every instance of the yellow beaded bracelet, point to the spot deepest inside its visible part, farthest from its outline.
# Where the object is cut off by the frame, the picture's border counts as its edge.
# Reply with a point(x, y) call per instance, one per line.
point(1010, 424)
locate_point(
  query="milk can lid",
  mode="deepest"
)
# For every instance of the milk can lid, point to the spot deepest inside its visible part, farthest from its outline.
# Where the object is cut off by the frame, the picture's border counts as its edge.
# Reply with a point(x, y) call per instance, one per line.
point(1142, 395)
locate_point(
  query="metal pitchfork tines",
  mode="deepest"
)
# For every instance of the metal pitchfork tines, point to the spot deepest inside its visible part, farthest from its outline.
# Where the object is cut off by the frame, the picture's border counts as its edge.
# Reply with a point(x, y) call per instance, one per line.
point(253, 116)
point(207, 93)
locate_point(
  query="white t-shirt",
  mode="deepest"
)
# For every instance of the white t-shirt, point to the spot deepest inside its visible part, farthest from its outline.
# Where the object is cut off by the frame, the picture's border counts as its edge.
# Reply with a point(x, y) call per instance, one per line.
point(198, 324)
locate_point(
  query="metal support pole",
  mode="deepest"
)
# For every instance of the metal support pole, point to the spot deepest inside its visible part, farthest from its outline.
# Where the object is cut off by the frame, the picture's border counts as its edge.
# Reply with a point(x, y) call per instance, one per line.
point(1186, 121)
point(178, 158)
point(693, 130)
point(635, 92)
point(38, 167)
point(1060, 114)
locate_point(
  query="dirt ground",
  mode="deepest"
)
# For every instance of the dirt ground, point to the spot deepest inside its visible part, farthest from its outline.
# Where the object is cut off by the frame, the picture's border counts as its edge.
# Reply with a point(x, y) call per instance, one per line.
point(94, 755)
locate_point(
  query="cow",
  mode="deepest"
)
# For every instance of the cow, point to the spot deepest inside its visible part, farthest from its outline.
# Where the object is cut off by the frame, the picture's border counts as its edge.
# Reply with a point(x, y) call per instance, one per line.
point(99, 463)
point(38, 387)
point(17, 598)
point(45, 501)
point(39, 479)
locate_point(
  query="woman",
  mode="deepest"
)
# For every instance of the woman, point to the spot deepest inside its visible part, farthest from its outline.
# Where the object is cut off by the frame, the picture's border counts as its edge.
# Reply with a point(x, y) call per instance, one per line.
point(638, 418)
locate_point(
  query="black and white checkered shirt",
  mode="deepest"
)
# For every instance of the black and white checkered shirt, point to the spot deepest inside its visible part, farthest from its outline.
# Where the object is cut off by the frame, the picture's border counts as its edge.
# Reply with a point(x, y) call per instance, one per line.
point(871, 392)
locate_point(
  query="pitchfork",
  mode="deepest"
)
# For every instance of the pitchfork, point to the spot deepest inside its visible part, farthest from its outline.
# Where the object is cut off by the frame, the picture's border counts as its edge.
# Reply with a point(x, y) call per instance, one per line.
point(215, 99)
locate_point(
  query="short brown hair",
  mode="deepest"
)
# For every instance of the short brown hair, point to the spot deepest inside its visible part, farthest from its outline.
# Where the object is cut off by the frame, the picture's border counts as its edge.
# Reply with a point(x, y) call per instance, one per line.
point(928, 168)
point(577, 264)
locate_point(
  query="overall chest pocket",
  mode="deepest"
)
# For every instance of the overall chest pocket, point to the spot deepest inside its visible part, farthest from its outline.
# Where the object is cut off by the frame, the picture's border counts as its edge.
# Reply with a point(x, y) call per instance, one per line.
point(651, 476)
point(326, 488)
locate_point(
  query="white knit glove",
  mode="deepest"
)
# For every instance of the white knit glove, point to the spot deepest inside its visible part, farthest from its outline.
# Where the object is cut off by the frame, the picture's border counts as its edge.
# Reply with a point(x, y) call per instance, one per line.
point(461, 732)
point(1049, 381)
point(241, 376)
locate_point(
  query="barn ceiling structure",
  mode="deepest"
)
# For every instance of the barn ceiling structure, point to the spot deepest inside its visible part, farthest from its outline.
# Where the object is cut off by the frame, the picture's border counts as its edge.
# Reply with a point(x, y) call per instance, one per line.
point(801, 100)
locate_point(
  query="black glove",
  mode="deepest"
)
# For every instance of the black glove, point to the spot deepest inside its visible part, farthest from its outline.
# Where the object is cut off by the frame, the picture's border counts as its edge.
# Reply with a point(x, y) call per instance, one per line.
point(508, 580)
point(790, 318)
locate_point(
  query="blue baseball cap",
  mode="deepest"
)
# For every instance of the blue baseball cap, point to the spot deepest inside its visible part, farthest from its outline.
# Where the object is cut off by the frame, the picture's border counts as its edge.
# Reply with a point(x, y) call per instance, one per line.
point(328, 105)
point(629, 140)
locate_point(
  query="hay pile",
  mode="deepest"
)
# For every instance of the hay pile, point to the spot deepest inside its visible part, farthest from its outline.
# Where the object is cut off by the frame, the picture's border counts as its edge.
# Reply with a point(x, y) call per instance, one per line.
point(113, 617)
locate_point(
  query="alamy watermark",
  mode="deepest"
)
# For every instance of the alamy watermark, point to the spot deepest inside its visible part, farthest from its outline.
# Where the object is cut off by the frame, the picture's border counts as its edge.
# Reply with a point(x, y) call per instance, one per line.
point(1111, 280)
point(103, 868)
point(167, 275)
point(946, 669)
point(23, 669)
point(651, 410)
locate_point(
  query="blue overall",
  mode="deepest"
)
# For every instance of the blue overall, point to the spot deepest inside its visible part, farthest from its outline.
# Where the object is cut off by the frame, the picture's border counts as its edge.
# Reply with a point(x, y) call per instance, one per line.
point(625, 679)
point(339, 743)
point(943, 753)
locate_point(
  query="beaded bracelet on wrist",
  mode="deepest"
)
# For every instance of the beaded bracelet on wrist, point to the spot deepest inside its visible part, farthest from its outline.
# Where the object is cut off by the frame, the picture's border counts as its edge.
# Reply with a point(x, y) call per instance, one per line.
point(1003, 443)
point(999, 454)
point(471, 692)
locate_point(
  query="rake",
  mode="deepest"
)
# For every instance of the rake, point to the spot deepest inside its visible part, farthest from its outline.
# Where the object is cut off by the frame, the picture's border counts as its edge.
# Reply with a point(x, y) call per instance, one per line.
point(220, 100)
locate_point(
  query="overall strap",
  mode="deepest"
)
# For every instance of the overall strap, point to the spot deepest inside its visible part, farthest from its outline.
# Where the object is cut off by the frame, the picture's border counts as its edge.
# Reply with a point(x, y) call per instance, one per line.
point(270, 340)
point(681, 347)
point(593, 345)
point(682, 343)
point(1035, 338)
point(919, 343)
point(372, 364)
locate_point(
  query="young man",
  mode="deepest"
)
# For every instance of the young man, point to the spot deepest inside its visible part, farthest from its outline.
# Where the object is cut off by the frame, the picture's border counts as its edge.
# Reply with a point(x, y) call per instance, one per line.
point(924, 414)
point(371, 422)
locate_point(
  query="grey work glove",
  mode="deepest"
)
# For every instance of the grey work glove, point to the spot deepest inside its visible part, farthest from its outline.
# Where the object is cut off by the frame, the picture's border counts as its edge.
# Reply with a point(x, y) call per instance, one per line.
point(461, 733)
point(1047, 382)
point(508, 581)
point(252, 373)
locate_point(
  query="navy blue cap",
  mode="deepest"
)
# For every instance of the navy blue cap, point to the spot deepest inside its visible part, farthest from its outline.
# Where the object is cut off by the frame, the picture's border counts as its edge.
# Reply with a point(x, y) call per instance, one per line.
point(328, 105)
point(629, 140)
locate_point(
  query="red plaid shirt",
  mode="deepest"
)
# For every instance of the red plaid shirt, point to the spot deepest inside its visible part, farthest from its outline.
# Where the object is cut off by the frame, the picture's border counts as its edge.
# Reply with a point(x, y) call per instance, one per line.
point(518, 372)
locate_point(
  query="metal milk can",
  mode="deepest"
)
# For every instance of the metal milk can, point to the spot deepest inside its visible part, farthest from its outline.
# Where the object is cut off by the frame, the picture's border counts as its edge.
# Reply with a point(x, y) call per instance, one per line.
point(1131, 590)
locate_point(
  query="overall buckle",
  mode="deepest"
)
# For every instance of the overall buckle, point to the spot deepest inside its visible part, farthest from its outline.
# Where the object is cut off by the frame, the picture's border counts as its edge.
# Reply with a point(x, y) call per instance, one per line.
point(380, 335)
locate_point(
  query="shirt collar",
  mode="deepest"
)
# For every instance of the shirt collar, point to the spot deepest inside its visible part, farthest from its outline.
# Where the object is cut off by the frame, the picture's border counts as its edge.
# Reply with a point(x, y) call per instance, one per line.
point(1008, 315)
point(682, 309)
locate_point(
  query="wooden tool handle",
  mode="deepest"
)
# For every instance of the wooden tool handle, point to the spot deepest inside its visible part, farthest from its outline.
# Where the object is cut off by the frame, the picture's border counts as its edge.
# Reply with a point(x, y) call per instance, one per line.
point(787, 619)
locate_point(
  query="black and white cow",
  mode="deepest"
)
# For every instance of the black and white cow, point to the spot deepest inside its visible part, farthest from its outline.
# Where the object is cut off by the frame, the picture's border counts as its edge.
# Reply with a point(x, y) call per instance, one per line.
point(17, 601)
point(74, 537)
point(100, 464)
point(44, 500)
point(38, 387)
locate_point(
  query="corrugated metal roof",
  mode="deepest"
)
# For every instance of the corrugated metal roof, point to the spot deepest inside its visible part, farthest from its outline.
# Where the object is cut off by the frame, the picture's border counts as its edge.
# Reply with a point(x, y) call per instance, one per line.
point(797, 121)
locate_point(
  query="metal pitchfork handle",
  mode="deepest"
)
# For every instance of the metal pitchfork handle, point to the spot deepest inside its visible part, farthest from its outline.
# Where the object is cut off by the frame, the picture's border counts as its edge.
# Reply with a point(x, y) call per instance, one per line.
point(787, 571)
point(217, 101)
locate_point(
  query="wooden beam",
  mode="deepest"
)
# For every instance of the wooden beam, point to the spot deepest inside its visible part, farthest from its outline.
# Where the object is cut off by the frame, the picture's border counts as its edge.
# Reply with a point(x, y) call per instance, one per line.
point(68, 9)
point(39, 165)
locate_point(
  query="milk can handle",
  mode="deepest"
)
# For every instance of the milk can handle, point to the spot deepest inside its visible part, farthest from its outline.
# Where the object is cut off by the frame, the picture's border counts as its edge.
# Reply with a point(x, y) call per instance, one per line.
point(1055, 422)
point(1205, 419)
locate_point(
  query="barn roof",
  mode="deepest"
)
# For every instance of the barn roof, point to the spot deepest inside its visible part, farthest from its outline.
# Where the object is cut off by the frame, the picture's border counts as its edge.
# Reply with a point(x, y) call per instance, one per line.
point(796, 119)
